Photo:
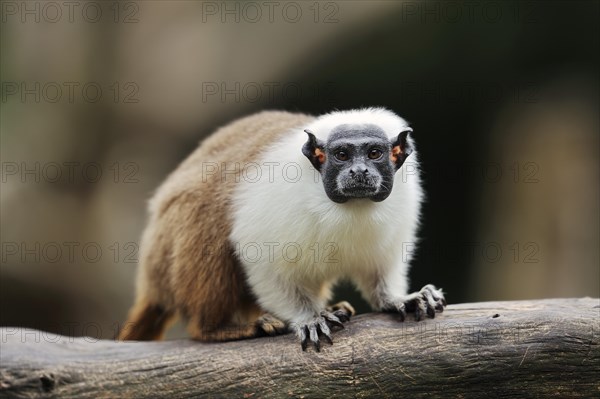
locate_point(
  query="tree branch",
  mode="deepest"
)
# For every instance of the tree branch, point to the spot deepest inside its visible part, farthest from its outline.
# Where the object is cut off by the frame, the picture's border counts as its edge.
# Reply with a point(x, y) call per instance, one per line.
point(536, 348)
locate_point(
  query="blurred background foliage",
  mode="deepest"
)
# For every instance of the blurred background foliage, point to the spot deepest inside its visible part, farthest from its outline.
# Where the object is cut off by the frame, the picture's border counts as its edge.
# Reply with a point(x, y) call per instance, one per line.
point(503, 98)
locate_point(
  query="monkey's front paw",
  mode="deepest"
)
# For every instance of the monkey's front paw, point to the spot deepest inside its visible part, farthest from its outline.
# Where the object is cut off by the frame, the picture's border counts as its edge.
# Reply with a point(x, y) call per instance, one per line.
point(322, 325)
point(426, 301)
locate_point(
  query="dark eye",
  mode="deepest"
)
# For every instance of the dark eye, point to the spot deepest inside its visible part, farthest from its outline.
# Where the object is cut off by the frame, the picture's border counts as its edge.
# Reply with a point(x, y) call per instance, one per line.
point(341, 156)
point(375, 153)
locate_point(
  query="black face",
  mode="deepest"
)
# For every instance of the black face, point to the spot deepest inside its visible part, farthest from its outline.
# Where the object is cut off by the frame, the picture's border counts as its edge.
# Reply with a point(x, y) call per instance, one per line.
point(358, 161)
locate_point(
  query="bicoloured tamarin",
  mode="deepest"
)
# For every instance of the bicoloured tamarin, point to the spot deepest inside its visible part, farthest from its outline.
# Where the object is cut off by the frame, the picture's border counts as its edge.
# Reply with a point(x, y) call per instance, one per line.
point(251, 232)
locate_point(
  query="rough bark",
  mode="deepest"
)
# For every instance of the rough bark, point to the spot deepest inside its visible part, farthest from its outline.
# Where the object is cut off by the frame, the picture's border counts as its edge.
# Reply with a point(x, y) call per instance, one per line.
point(503, 349)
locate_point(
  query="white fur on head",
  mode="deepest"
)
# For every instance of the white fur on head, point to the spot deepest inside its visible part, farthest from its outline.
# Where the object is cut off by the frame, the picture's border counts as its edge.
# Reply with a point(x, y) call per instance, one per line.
point(391, 123)
point(280, 214)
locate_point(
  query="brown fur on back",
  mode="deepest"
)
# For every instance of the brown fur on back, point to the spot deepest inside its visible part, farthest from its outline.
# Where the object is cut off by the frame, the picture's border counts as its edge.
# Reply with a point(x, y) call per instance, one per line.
point(186, 263)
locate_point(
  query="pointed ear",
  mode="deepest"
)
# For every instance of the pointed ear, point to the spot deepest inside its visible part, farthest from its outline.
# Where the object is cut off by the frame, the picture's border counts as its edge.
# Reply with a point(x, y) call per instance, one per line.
point(314, 150)
point(401, 148)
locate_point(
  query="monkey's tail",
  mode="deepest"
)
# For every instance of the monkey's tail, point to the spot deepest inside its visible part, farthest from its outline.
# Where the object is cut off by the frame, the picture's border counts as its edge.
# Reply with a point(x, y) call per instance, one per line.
point(146, 322)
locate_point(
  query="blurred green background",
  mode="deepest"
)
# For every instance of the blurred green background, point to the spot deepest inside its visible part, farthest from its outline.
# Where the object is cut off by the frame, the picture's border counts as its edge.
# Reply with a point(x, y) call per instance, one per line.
point(101, 100)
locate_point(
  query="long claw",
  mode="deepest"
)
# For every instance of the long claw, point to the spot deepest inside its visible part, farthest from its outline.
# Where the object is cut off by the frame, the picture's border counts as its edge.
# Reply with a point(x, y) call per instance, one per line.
point(402, 315)
point(431, 312)
point(419, 309)
point(402, 312)
point(325, 331)
point(304, 338)
point(333, 319)
point(417, 314)
point(430, 303)
point(314, 337)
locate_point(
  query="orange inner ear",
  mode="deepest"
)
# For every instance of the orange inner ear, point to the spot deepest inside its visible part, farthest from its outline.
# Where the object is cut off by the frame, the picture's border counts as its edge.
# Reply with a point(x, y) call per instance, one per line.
point(396, 150)
point(320, 154)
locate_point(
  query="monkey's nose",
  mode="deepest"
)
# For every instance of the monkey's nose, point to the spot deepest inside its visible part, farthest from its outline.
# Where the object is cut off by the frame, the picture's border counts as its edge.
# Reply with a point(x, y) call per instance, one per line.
point(360, 170)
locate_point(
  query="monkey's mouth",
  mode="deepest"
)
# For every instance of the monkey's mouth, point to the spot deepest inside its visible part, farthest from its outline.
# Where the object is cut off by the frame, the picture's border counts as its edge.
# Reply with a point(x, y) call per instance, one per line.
point(359, 188)
point(359, 192)
point(347, 188)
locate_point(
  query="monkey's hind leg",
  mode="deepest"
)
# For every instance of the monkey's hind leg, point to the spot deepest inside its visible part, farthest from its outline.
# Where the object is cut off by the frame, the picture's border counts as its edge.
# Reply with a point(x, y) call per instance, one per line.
point(342, 310)
point(146, 322)
point(268, 325)
point(265, 325)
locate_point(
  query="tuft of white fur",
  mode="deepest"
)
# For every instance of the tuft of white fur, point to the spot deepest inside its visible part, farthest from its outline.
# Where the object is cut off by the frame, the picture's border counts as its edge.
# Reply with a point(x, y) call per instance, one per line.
point(294, 242)
point(391, 123)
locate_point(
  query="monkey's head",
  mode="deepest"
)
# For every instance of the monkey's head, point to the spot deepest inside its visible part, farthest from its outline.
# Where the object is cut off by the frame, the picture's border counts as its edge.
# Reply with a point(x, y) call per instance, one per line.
point(358, 160)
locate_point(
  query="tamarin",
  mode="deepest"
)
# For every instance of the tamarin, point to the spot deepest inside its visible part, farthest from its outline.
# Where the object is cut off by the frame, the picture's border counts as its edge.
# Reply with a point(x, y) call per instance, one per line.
point(250, 233)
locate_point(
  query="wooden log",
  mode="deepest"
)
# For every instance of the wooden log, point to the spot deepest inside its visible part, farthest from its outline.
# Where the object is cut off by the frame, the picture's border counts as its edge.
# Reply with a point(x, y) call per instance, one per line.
point(503, 349)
